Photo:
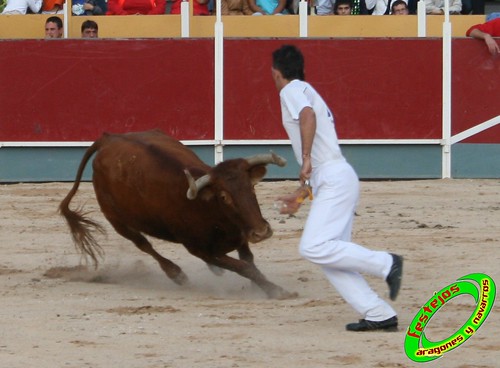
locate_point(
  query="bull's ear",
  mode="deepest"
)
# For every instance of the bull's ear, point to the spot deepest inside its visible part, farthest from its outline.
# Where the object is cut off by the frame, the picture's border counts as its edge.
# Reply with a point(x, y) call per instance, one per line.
point(257, 173)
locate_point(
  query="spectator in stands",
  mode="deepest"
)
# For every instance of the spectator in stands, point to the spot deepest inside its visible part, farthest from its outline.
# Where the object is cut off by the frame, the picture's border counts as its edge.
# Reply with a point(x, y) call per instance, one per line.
point(87, 7)
point(52, 6)
point(473, 6)
point(268, 7)
point(22, 6)
point(486, 32)
point(383, 7)
point(235, 7)
point(53, 27)
point(436, 7)
point(400, 7)
point(90, 29)
point(200, 7)
point(136, 7)
point(342, 7)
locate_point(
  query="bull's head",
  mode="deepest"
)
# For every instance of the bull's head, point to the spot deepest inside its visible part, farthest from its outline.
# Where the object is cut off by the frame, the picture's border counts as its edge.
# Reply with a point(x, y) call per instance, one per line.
point(233, 183)
point(263, 159)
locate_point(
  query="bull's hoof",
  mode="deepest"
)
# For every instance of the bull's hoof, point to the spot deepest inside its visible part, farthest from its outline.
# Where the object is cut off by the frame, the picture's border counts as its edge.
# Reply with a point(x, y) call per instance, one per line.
point(281, 294)
point(180, 278)
point(215, 270)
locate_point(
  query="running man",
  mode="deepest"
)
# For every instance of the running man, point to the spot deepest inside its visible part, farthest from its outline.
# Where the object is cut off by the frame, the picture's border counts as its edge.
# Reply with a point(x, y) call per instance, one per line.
point(326, 240)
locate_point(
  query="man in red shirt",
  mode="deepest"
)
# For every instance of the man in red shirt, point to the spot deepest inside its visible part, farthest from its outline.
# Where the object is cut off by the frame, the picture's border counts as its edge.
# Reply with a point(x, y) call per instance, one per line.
point(134, 7)
point(486, 32)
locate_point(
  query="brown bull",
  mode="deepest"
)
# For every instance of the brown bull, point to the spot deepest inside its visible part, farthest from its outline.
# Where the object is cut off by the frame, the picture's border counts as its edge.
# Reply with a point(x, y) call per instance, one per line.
point(150, 184)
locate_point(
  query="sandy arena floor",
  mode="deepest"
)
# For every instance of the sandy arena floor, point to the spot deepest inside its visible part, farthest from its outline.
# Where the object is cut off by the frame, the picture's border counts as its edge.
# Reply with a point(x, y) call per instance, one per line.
point(57, 313)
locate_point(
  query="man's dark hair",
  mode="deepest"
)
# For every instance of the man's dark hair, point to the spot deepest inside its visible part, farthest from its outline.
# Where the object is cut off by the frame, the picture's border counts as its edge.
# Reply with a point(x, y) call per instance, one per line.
point(289, 60)
point(55, 20)
point(89, 24)
point(341, 2)
point(398, 2)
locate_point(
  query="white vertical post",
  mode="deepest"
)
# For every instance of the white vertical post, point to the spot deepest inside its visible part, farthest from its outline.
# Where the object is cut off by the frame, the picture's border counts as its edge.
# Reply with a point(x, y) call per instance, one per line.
point(303, 18)
point(421, 19)
point(66, 18)
point(184, 18)
point(446, 166)
point(219, 83)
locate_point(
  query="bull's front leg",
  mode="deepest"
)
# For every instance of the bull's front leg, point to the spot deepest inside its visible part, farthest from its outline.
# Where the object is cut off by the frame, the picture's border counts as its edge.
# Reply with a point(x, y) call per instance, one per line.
point(250, 271)
point(245, 253)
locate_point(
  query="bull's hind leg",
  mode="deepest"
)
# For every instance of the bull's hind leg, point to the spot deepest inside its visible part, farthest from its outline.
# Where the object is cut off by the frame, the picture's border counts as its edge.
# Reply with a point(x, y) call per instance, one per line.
point(173, 271)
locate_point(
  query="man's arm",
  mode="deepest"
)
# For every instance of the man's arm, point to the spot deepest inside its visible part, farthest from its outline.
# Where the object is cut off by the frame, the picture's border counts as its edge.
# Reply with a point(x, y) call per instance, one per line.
point(307, 120)
point(491, 44)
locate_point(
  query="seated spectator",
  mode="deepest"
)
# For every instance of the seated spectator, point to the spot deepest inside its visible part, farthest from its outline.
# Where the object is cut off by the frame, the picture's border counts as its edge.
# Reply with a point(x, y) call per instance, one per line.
point(400, 7)
point(53, 7)
point(53, 27)
point(342, 7)
point(363, 7)
point(436, 7)
point(136, 7)
point(200, 7)
point(90, 29)
point(22, 6)
point(486, 32)
point(235, 7)
point(86, 7)
point(268, 7)
point(383, 7)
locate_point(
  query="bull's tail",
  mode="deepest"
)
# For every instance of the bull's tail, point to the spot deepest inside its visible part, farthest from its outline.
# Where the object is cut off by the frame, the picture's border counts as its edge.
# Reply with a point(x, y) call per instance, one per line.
point(81, 226)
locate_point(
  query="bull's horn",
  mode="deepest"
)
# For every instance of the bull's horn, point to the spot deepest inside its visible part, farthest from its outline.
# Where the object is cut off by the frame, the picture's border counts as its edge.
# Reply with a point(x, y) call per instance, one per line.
point(266, 158)
point(195, 186)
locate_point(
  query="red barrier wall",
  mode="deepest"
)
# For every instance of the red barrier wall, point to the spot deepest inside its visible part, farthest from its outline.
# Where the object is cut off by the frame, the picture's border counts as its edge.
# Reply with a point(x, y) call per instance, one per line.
point(73, 90)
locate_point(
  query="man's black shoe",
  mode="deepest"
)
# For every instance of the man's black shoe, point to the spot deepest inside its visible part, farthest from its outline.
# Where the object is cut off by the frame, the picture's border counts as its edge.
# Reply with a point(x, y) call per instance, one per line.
point(395, 275)
point(390, 324)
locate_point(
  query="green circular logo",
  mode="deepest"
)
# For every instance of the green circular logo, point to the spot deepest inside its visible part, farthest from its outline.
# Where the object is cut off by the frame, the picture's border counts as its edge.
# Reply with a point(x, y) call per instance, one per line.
point(418, 348)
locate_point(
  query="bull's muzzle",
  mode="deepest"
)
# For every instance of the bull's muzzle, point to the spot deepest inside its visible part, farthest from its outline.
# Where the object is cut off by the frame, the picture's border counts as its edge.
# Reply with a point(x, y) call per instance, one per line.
point(260, 234)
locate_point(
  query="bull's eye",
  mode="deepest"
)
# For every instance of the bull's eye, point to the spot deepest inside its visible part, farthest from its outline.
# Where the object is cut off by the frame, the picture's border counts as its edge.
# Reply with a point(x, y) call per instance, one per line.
point(226, 198)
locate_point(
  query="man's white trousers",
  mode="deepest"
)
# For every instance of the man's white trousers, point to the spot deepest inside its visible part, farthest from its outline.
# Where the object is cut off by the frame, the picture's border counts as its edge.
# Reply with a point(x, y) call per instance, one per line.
point(326, 240)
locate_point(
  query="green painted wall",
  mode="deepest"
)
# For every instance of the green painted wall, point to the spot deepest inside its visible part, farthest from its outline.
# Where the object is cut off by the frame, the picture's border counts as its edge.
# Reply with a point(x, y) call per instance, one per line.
point(42, 164)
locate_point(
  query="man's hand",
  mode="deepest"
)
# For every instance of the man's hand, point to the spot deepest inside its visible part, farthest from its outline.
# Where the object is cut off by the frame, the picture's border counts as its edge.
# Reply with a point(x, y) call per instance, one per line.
point(292, 202)
point(492, 45)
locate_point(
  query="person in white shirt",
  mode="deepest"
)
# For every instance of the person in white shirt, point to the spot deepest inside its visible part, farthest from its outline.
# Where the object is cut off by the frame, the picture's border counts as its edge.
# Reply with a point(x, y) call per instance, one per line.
point(436, 7)
point(326, 239)
point(22, 6)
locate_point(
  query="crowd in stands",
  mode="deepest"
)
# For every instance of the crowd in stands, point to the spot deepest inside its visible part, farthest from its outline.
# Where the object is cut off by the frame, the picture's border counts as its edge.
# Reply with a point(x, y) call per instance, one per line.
point(241, 7)
point(89, 29)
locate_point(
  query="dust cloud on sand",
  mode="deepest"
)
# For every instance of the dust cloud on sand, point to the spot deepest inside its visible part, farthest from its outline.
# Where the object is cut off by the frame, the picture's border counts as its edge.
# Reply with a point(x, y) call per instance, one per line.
point(57, 311)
